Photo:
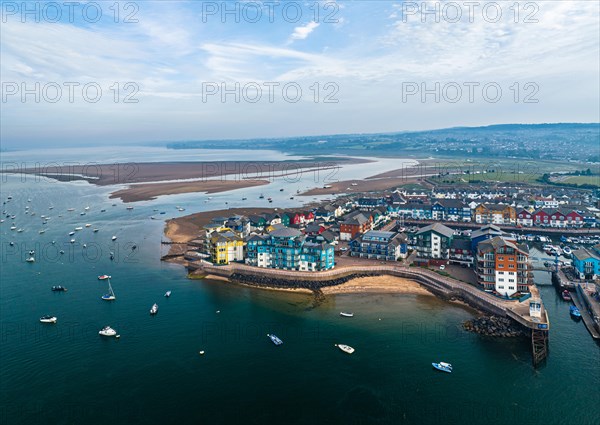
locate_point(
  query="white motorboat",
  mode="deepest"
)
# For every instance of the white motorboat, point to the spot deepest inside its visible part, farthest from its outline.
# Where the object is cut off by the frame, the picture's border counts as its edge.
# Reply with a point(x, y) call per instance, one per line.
point(275, 339)
point(107, 331)
point(95, 230)
point(88, 225)
point(443, 366)
point(114, 238)
point(70, 209)
point(104, 277)
point(343, 314)
point(19, 230)
point(13, 227)
point(30, 259)
point(48, 319)
point(154, 309)
point(72, 241)
point(42, 231)
point(129, 208)
point(86, 208)
point(78, 228)
point(71, 233)
point(167, 294)
point(345, 348)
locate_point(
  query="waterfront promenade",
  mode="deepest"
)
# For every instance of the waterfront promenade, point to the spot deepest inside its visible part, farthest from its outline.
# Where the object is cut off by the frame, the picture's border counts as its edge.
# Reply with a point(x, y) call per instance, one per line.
point(440, 285)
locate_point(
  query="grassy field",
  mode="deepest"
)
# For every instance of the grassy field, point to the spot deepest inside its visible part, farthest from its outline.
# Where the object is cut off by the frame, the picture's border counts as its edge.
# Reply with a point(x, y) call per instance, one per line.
point(593, 180)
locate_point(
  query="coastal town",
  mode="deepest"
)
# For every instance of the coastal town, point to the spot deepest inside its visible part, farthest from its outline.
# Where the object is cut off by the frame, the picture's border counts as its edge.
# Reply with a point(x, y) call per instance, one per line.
point(480, 238)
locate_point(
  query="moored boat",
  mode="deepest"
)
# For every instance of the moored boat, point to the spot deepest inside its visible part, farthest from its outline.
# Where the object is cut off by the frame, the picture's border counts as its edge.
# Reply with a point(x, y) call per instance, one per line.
point(59, 288)
point(344, 314)
point(30, 259)
point(48, 319)
point(275, 339)
point(443, 366)
point(566, 295)
point(167, 294)
point(114, 238)
point(154, 309)
point(574, 311)
point(110, 296)
point(345, 348)
point(104, 277)
point(107, 331)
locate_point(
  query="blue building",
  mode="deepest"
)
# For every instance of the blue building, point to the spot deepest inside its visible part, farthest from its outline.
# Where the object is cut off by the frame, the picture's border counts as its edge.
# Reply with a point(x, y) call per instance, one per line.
point(288, 249)
point(587, 262)
point(379, 245)
point(370, 203)
point(412, 210)
point(451, 209)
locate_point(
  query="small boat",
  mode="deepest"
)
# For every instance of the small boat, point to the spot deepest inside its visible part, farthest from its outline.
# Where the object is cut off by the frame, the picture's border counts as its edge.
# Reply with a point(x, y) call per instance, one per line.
point(275, 339)
point(31, 252)
point(78, 228)
point(154, 309)
point(345, 348)
point(72, 241)
point(291, 197)
point(103, 210)
point(180, 209)
point(114, 238)
point(53, 242)
point(88, 225)
point(167, 294)
point(61, 252)
point(84, 245)
point(269, 199)
point(42, 231)
point(30, 260)
point(243, 199)
point(133, 247)
point(163, 212)
point(443, 366)
point(566, 295)
point(281, 190)
point(107, 331)
point(104, 277)
point(71, 209)
point(50, 208)
point(346, 314)
point(71, 233)
point(19, 230)
point(129, 208)
point(48, 319)
point(13, 227)
point(574, 312)
point(95, 230)
point(261, 196)
point(111, 294)
point(59, 288)
point(81, 213)
point(11, 243)
point(86, 208)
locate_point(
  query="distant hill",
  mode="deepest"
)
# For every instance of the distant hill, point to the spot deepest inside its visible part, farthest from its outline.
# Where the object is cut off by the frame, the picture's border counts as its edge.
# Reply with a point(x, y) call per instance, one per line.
point(568, 141)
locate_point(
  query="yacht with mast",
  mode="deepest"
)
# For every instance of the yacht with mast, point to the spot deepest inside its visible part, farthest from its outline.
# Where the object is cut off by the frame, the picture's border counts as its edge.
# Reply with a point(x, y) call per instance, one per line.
point(110, 296)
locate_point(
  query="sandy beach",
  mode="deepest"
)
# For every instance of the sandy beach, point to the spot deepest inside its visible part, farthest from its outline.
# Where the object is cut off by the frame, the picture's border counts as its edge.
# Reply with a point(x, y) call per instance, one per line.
point(150, 191)
point(378, 284)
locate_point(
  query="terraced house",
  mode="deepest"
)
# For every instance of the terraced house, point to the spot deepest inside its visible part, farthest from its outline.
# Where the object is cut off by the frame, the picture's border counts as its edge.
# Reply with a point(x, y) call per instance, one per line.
point(495, 214)
point(503, 266)
point(288, 249)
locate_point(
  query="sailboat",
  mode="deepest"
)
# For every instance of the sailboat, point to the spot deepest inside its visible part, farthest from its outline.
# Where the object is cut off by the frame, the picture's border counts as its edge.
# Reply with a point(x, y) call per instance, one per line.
point(111, 294)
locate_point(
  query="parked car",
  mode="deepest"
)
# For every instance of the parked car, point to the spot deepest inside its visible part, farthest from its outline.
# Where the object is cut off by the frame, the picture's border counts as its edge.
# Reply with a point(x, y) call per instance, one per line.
point(442, 267)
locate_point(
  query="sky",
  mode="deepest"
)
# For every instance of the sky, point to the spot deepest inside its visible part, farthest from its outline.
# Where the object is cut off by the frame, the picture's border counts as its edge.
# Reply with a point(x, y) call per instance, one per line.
point(100, 73)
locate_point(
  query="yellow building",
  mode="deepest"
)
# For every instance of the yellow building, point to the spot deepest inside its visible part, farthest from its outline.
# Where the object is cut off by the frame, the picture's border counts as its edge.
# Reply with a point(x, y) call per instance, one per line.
point(225, 247)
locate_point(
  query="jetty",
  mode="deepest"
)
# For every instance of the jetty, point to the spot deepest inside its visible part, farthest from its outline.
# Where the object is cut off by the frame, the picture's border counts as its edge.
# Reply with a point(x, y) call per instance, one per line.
point(530, 312)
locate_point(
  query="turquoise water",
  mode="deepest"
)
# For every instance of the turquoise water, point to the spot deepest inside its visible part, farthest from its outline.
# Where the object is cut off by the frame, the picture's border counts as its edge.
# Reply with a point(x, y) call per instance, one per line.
point(66, 373)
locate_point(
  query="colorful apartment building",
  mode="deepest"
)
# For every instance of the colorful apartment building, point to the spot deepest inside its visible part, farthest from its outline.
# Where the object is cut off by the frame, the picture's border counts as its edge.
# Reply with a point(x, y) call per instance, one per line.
point(225, 247)
point(433, 242)
point(587, 262)
point(289, 249)
point(379, 245)
point(355, 223)
point(503, 266)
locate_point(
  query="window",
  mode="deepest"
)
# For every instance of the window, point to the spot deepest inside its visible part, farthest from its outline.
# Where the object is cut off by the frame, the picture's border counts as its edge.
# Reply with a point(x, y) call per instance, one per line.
point(500, 272)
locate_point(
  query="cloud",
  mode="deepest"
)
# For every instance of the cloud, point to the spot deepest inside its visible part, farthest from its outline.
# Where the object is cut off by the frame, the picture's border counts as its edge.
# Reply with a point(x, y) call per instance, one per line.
point(300, 33)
